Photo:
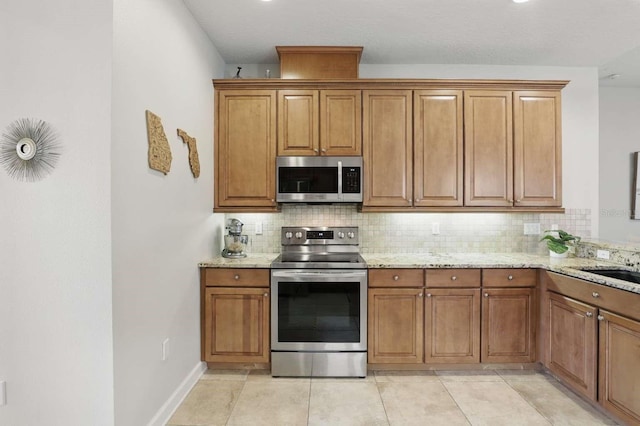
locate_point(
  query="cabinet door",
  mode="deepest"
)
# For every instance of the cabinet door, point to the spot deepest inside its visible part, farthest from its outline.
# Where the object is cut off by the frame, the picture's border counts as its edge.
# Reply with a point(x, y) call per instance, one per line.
point(245, 148)
point(452, 326)
point(619, 377)
point(298, 128)
point(340, 122)
point(488, 148)
point(438, 149)
point(572, 343)
point(395, 332)
point(387, 148)
point(236, 324)
point(508, 325)
point(537, 149)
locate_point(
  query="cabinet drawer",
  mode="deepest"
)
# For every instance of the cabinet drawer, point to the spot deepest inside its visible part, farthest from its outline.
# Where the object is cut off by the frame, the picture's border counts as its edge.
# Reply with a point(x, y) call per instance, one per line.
point(619, 301)
point(453, 278)
point(396, 278)
point(509, 277)
point(235, 277)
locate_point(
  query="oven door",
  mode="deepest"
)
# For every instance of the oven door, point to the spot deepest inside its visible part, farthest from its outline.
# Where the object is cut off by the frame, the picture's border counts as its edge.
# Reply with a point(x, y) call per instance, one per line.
point(318, 310)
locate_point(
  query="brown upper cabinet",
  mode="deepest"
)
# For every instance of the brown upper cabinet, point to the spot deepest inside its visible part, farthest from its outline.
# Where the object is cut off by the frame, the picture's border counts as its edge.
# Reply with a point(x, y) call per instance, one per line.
point(319, 122)
point(245, 150)
point(438, 148)
point(387, 148)
point(427, 145)
point(537, 149)
point(512, 149)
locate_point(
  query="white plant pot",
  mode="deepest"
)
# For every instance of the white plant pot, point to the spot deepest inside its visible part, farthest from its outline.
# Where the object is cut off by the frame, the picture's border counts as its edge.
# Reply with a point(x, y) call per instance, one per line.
point(559, 255)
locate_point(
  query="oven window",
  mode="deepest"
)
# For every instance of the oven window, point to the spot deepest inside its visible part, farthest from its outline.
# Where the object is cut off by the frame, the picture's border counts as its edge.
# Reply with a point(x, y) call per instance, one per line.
point(319, 312)
point(310, 180)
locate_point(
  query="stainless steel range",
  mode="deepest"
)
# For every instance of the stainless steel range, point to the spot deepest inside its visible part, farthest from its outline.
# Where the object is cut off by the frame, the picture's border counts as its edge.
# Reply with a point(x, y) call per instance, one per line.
point(319, 304)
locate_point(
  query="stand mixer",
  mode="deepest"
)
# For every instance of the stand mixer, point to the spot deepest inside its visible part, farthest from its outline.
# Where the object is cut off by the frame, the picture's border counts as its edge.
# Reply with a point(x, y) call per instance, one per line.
point(235, 243)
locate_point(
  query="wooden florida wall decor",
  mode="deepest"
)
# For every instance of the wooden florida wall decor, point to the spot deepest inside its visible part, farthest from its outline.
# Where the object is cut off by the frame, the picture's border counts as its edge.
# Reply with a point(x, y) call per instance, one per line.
point(159, 149)
point(194, 161)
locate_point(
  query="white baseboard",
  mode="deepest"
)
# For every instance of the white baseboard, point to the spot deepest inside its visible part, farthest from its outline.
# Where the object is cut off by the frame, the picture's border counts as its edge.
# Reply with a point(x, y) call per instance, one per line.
point(169, 407)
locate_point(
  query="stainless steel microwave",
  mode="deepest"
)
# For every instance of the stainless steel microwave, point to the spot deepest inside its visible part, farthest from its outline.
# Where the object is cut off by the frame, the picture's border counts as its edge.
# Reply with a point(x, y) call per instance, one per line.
point(319, 179)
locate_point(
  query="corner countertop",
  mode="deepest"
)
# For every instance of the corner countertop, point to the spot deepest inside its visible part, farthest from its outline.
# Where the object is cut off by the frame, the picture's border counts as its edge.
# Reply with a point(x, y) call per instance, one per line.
point(567, 266)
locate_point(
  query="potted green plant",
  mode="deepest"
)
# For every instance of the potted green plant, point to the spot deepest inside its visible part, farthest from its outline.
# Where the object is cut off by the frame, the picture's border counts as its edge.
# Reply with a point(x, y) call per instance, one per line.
point(559, 241)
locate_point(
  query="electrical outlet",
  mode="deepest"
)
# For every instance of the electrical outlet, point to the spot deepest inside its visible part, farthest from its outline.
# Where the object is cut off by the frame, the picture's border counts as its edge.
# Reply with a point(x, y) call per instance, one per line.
point(258, 228)
point(165, 349)
point(602, 254)
point(3, 393)
point(531, 229)
point(435, 228)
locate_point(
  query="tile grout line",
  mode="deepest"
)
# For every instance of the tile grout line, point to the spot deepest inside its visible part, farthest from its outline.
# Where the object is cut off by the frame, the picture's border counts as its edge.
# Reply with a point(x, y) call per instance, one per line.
point(444, 385)
point(244, 383)
point(384, 407)
point(309, 402)
point(530, 404)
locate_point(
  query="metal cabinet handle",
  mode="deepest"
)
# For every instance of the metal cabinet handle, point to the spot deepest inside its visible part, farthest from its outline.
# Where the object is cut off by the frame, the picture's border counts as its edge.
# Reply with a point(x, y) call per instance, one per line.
point(589, 314)
point(315, 150)
point(396, 277)
point(510, 201)
point(595, 294)
point(420, 294)
point(236, 277)
point(453, 278)
point(600, 317)
point(266, 295)
point(428, 294)
point(517, 201)
point(510, 277)
point(323, 150)
point(486, 295)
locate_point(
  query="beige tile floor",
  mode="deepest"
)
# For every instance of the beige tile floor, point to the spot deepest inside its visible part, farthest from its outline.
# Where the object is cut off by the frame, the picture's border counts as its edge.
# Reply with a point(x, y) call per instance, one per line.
point(487, 397)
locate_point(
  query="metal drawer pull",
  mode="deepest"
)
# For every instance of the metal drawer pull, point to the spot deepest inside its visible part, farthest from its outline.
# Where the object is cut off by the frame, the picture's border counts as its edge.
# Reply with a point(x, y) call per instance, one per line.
point(453, 278)
point(396, 278)
point(595, 294)
point(510, 277)
point(266, 295)
point(600, 317)
point(589, 314)
point(428, 294)
point(419, 294)
point(236, 277)
point(486, 295)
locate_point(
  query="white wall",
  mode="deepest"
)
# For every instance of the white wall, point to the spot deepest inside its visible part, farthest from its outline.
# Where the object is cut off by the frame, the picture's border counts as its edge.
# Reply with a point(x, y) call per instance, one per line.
point(619, 137)
point(55, 235)
point(162, 225)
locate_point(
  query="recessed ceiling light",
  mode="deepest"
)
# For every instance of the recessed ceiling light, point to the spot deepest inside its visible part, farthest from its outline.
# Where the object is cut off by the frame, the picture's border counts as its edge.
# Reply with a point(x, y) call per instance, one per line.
point(520, 1)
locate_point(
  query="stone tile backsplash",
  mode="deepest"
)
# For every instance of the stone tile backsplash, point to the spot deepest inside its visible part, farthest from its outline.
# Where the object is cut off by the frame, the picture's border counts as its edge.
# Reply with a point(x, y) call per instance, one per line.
point(413, 232)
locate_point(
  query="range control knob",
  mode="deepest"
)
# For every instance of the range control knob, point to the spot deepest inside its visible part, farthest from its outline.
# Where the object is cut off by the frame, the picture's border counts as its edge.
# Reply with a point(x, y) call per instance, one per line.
point(288, 235)
point(341, 235)
point(351, 235)
point(298, 235)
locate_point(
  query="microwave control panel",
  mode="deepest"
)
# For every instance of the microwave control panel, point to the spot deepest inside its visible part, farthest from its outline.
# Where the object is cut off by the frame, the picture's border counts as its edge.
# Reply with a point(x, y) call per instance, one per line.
point(350, 180)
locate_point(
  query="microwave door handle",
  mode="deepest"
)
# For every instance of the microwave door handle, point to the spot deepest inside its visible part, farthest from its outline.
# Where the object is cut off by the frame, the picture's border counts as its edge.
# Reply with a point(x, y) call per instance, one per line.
point(340, 180)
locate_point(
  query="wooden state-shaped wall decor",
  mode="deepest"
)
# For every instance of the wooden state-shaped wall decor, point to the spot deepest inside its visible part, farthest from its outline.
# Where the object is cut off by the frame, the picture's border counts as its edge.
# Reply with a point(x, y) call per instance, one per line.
point(194, 161)
point(159, 149)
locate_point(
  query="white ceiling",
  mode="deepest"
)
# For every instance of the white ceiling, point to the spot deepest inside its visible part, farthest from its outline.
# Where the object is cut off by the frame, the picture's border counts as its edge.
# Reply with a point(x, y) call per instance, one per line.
point(594, 33)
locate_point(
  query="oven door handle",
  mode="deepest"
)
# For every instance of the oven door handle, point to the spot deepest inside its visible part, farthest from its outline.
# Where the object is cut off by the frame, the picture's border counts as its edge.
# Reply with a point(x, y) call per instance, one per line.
point(319, 274)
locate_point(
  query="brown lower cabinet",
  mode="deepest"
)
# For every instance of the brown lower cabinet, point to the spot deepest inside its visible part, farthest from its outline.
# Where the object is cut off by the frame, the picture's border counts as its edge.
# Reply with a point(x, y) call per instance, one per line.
point(573, 348)
point(593, 350)
point(235, 315)
point(444, 319)
point(508, 325)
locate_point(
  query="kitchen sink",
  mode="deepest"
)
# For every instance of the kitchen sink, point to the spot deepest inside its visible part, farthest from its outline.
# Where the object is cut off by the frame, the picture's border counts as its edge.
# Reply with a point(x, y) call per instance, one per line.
point(630, 276)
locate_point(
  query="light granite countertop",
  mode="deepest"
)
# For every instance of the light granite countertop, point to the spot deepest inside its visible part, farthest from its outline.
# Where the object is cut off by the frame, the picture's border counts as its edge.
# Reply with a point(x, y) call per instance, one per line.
point(568, 266)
